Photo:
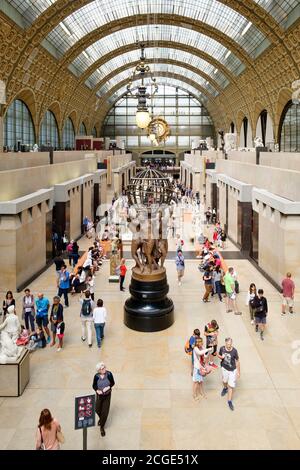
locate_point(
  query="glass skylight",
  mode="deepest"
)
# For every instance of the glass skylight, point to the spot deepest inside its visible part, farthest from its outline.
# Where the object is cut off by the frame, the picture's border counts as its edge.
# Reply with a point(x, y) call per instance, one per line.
point(31, 9)
point(101, 12)
point(157, 33)
point(279, 9)
point(162, 81)
point(166, 68)
point(156, 54)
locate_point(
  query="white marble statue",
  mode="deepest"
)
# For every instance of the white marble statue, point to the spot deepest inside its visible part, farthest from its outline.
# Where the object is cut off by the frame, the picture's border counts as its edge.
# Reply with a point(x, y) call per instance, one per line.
point(9, 351)
point(35, 148)
point(258, 142)
point(11, 324)
point(230, 142)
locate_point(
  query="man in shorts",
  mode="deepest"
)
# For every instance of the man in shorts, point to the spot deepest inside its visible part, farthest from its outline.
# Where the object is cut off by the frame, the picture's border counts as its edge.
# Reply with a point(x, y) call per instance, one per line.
point(42, 308)
point(230, 298)
point(230, 365)
point(288, 289)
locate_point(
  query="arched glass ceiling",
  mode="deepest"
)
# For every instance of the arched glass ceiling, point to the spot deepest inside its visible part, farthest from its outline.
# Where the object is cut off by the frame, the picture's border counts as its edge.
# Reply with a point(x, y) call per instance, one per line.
point(167, 68)
point(279, 9)
point(157, 33)
point(162, 81)
point(157, 53)
point(32, 9)
point(101, 12)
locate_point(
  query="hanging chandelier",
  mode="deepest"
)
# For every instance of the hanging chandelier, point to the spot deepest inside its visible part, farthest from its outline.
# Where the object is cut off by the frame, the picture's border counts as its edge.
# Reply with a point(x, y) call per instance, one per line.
point(142, 113)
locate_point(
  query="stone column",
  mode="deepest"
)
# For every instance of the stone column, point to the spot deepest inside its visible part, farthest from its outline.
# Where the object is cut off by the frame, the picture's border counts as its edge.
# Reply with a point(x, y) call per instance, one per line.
point(1, 133)
point(246, 225)
point(214, 201)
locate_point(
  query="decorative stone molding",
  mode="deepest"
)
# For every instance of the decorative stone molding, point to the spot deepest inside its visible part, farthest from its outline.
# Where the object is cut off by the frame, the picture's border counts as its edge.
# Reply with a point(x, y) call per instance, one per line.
point(16, 206)
point(284, 206)
point(244, 190)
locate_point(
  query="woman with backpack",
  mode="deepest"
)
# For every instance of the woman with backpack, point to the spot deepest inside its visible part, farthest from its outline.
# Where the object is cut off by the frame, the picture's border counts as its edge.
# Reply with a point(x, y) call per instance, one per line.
point(86, 316)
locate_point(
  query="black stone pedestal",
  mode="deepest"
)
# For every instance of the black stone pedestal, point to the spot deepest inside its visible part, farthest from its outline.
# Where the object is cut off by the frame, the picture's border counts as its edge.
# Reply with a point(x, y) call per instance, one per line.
point(148, 309)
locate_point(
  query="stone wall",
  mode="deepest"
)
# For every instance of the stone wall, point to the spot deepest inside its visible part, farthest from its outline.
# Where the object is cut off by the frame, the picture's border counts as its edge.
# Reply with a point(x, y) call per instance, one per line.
point(18, 183)
point(285, 183)
point(232, 216)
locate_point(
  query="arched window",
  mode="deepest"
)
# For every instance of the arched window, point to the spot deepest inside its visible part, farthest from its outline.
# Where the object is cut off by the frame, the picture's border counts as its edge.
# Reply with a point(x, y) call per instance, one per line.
point(18, 126)
point(68, 136)
point(82, 129)
point(245, 128)
point(94, 132)
point(289, 129)
point(49, 131)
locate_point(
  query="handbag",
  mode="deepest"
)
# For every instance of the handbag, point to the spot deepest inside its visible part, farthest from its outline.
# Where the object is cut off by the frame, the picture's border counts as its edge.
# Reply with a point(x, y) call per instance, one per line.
point(205, 370)
point(42, 446)
point(60, 437)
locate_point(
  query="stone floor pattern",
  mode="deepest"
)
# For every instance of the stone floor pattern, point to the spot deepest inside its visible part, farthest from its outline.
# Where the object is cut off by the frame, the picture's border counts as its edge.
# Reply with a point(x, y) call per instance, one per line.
point(152, 405)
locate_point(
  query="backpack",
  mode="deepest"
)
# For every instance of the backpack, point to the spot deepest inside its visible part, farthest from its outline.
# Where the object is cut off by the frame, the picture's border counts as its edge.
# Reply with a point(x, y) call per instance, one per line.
point(253, 302)
point(86, 308)
point(187, 347)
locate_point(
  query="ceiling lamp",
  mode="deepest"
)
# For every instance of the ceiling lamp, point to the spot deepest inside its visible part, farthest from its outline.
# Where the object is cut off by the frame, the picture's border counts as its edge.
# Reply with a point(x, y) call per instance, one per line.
point(142, 114)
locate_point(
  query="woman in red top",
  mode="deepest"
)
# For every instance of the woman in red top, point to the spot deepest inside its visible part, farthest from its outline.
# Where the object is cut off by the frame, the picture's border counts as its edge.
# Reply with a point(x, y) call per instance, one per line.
point(123, 270)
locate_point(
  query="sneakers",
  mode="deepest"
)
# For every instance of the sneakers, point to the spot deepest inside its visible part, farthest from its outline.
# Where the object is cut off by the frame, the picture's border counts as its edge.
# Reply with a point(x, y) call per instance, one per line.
point(179, 283)
point(230, 404)
point(224, 391)
point(58, 349)
point(82, 338)
point(238, 313)
point(256, 328)
point(90, 345)
point(262, 336)
point(252, 322)
point(214, 366)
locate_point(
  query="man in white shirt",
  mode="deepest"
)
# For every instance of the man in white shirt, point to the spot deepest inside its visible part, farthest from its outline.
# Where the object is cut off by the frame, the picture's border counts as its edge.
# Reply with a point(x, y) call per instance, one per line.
point(99, 316)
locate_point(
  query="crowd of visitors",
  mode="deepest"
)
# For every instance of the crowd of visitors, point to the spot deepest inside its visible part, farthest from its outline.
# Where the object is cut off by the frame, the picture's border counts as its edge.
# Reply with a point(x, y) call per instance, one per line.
point(44, 322)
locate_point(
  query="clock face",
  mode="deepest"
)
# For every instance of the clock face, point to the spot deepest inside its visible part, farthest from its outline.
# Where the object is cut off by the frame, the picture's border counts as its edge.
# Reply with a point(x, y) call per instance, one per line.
point(160, 128)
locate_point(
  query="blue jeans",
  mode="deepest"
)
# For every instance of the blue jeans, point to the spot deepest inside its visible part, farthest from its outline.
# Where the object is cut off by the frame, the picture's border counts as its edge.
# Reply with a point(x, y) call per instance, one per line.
point(99, 328)
point(64, 292)
point(218, 289)
point(29, 318)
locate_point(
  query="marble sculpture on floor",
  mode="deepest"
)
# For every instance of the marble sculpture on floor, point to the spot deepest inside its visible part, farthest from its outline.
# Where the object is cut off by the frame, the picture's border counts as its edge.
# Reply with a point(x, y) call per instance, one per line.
point(9, 332)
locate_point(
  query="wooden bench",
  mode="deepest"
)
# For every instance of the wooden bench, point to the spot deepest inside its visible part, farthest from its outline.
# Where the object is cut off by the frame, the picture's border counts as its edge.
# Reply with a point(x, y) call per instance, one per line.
point(80, 262)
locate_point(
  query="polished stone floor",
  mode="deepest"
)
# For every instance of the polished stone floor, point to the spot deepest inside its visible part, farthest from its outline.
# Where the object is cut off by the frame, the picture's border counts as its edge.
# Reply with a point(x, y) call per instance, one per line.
point(152, 405)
